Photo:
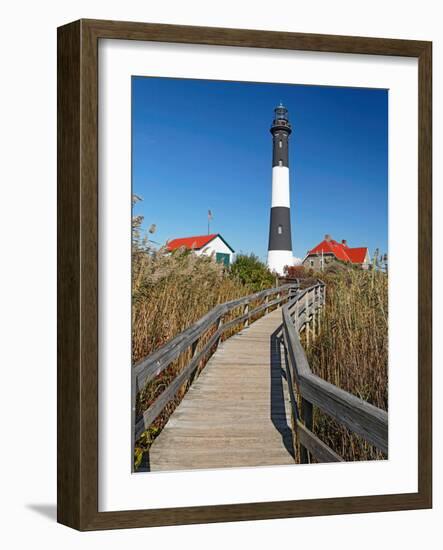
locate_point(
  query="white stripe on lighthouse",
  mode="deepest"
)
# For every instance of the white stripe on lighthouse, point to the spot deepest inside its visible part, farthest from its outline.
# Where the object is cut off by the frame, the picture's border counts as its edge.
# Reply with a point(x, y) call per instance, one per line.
point(278, 259)
point(280, 186)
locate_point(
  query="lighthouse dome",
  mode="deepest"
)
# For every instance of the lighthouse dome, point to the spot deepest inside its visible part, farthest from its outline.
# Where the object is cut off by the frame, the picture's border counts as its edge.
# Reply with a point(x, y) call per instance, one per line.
point(281, 113)
point(281, 119)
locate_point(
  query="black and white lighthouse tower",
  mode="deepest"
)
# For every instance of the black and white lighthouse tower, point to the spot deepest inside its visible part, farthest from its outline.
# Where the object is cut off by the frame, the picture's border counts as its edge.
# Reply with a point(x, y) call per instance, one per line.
point(280, 242)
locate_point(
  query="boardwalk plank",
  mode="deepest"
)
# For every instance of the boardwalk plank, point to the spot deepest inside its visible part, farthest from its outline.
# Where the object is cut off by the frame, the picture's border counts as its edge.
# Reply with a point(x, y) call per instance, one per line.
point(237, 412)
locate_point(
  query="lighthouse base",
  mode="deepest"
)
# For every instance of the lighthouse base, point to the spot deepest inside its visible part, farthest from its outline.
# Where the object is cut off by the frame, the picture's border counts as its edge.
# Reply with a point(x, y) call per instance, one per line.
point(278, 259)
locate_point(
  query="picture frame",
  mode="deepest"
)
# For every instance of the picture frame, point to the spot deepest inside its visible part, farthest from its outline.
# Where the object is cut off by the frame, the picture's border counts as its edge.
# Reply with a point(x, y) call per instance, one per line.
point(77, 275)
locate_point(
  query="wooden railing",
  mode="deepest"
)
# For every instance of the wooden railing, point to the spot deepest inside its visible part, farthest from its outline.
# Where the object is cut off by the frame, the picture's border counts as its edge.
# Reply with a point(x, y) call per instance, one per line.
point(302, 313)
point(201, 339)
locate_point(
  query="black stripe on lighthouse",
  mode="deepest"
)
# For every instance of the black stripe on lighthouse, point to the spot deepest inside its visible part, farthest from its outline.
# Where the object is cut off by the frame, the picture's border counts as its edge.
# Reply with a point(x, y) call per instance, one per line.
point(280, 229)
point(280, 156)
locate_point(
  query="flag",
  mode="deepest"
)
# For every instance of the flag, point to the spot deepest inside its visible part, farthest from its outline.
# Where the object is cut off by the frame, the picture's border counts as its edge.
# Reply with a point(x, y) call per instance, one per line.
point(210, 216)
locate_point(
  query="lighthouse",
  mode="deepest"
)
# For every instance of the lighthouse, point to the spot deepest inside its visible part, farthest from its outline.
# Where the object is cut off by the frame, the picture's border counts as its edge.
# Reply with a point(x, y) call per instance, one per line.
point(280, 242)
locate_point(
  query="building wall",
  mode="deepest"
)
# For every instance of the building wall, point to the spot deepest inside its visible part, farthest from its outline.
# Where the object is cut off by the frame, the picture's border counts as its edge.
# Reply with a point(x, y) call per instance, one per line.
point(315, 262)
point(216, 245)
point(367, 261)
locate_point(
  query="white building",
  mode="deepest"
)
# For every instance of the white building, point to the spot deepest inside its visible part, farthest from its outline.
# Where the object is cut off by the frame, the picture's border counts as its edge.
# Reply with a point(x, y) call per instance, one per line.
point(205, 244)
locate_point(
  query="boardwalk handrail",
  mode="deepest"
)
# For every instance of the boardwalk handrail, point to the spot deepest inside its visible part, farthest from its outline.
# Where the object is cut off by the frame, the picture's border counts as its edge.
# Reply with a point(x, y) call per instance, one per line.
point(151, 366)
point(364, 419)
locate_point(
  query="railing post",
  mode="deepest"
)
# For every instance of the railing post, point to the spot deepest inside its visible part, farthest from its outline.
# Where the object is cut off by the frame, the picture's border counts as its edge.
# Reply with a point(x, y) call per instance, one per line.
point(134, 391)
point(295, 438)
point(194, 346)
point(291, 381)
point(307, 418)
point(314, 315)
point(217, 326)
point(297, 315)
point(246, 311)
point(307, 317)
point(322, 290)
point(266, 301)
point(323, 299)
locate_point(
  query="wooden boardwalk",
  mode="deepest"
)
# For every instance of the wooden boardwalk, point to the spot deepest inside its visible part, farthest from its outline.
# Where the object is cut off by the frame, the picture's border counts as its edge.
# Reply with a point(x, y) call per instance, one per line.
point(237, 413)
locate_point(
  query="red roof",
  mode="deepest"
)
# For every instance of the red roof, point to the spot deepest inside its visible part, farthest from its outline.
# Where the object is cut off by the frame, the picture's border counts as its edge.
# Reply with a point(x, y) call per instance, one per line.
point(341, 251)
point(192, 243)
point(357, 255)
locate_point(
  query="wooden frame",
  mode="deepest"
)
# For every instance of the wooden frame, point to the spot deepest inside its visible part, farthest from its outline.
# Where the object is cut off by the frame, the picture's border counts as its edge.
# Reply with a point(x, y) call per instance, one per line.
point(77, 274)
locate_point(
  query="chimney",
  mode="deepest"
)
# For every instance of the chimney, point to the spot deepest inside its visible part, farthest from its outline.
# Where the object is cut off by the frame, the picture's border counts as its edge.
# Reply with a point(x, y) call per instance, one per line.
point(344, 242)
point(327, 237)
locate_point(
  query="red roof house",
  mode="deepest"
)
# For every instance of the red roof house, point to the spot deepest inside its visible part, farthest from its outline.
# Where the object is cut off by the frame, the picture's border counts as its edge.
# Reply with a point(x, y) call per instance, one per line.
point(191, 243)
point(213, 244)
point(329, 250)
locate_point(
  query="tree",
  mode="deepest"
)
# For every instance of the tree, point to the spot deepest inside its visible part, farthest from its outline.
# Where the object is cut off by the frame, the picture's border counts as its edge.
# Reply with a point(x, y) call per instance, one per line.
point(252, 272)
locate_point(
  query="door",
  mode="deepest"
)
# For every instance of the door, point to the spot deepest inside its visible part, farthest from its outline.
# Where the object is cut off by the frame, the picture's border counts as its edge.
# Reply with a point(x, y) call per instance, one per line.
point(222, 258)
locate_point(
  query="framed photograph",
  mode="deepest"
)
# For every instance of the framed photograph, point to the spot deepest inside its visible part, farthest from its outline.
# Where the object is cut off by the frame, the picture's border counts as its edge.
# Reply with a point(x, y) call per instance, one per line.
point(244, 274)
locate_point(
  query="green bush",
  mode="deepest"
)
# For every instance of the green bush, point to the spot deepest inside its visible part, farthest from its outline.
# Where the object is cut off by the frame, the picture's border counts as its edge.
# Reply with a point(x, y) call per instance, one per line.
point(252, 272)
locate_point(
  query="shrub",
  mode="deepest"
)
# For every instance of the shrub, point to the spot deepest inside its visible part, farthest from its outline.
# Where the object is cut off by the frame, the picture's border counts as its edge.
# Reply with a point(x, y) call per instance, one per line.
point(252, 272)
point(297, 272)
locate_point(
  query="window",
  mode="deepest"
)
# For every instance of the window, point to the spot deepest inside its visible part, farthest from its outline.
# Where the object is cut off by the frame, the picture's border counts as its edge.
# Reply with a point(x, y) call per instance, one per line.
point(280, 230)
point(312, 263)
point(280, 163)
point(280, 144)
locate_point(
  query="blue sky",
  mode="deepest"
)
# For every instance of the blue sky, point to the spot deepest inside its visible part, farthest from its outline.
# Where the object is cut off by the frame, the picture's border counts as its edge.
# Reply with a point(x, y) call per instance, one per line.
point(199, 145)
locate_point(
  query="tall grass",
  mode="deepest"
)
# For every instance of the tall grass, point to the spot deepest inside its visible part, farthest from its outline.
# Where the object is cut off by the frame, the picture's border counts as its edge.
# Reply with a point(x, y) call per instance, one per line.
point(172, 291)
point(169, 293)
point(351, 350)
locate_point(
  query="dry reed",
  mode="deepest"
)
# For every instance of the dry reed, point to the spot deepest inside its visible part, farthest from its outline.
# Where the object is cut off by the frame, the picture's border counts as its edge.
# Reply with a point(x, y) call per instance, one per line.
point(169, 293)
point(351, 350)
